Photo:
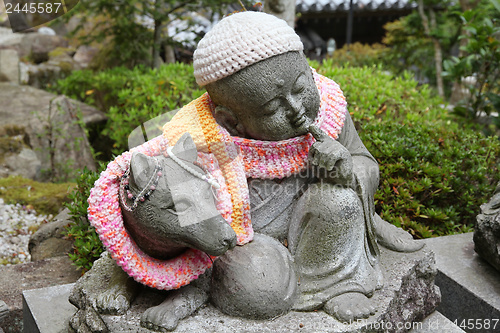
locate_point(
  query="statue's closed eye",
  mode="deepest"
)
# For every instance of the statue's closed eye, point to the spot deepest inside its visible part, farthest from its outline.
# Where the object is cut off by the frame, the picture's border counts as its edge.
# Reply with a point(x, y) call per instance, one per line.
point(179, 206)
point(300, 84)
point(272, 106)
point(182, 205)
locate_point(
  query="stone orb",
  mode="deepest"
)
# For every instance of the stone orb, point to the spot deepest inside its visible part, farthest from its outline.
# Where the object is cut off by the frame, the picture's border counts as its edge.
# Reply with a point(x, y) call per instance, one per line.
point(255, 281)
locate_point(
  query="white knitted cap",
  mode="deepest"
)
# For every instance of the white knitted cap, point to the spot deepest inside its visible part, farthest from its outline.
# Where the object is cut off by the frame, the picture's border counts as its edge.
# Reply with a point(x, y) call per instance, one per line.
point(240, 40)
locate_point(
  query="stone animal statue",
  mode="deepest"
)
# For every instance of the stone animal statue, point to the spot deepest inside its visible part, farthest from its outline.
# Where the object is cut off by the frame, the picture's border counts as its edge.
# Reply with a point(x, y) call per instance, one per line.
point(300, 187)
point(180, 212)
point(168, 207)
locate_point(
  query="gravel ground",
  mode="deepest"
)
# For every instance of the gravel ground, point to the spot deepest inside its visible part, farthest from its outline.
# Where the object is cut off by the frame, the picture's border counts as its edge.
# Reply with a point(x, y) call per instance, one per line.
point(17, 223)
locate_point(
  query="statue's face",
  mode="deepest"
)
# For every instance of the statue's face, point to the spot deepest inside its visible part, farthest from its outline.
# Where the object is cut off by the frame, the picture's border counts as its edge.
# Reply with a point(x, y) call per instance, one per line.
point(274, 99)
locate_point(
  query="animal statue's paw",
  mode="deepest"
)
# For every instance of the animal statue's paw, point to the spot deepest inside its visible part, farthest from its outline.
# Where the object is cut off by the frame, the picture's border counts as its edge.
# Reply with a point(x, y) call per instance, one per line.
point(350, 307)
point(394, 238)
point(115, 300)
point(178, 305)
point(87, 320)
point(105, 289)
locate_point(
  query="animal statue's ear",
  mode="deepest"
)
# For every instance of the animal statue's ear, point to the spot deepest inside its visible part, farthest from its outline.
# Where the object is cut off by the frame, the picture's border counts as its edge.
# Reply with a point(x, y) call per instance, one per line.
point(228, 119)
point(185, 148)
point(141, 169)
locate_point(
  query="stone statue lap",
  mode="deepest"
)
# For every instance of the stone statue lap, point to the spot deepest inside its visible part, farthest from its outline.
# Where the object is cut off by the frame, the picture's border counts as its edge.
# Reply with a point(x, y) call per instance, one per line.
point(309, 180)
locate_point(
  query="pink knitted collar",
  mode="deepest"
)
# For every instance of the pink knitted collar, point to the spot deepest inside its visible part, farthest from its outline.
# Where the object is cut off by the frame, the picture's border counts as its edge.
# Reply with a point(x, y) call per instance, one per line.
point(260, 159)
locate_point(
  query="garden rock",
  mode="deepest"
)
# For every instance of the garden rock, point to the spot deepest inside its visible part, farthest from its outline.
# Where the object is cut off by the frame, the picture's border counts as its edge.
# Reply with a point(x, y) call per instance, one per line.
point(43, 273)
point(29, 110)
point(9, 65)
point(37, 46)
point(41, 75)
point(49, 241)
point(61, 142)
point(21, 102)
point(84, 55)
point(41, 63)
point(46, 31)
point(16, 157)
point(10, 40)
point(25, 164)
point(487, 231)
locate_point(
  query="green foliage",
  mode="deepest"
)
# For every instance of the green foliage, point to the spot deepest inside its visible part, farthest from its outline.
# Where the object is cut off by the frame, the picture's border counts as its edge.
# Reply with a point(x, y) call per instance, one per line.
point(133, 31)
point(480, 61)
point(433, 177)
point(372, 92)
point(359, 55)
point(45, 198)
point(131, 97)
point(434, 173)
point(411, 47)
point(86, 243)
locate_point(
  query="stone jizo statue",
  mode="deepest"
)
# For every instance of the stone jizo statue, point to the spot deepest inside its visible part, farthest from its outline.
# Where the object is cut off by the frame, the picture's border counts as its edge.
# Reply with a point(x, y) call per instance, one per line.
point(272, 147)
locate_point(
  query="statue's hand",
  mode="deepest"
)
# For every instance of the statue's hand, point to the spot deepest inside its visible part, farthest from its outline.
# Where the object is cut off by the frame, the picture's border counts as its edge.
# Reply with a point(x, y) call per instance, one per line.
point(330, 155)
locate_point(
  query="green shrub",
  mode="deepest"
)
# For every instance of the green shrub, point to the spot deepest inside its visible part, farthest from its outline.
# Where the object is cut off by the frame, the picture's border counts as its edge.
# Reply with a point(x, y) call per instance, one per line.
point(372, 92)
point(480, 63)
point(131, 97)
point(359, 55)
point(87, 247)
point(433, 177)
point(434, 173)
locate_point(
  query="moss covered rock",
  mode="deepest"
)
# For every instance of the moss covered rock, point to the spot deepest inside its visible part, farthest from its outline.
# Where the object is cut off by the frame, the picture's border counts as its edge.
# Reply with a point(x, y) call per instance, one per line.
point(46, 198)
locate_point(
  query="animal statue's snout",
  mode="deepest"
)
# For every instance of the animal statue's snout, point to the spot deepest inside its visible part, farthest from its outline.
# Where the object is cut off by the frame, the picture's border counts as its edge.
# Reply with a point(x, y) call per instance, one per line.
point(229, 241)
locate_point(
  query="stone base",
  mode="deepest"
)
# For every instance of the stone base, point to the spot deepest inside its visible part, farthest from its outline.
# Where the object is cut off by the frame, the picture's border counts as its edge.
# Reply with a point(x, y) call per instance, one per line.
point(409, 295)
point(35, 317)
point(470, 285)
point(40, 274)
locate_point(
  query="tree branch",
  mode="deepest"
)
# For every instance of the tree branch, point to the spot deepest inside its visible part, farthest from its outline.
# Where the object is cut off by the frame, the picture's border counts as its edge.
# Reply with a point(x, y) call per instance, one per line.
point(438, 56)
point(180, 5)
point(425, 19)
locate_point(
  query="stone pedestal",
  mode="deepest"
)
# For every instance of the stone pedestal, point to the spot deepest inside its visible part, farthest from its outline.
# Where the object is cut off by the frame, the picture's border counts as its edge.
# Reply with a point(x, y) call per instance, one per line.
point(35, 318)
point(409, 295)
point(470, 290)
point(470, 286)
point(41, 274)
point(462, 277)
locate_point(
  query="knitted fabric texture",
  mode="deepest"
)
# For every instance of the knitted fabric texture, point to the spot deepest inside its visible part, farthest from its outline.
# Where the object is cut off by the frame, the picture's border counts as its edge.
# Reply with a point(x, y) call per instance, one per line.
point(240, 40)
point(229, 159)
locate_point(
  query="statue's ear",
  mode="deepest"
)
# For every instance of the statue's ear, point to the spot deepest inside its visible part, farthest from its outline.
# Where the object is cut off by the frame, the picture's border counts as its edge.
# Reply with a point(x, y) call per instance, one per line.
point(228, 119)
point(185, 148)
point(141, 169)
